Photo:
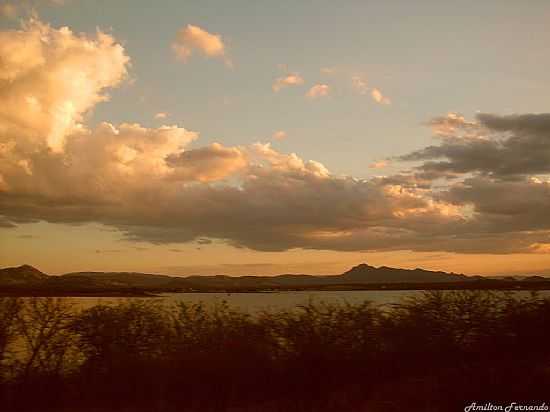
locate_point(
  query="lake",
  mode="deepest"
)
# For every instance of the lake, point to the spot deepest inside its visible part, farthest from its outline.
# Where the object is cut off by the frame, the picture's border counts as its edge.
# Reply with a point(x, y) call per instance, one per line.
point(255, 302)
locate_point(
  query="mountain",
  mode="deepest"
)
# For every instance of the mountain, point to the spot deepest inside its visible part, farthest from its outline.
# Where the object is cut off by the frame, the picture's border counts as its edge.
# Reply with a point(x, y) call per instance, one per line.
point(362, 276)
point(358, 275)
point(534, 278)
point(123, 279)
point(22, 275)
point(364, 273)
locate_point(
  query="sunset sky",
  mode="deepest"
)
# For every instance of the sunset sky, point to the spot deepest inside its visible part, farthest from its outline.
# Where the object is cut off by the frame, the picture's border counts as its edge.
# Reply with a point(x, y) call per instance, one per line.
point(266, 137)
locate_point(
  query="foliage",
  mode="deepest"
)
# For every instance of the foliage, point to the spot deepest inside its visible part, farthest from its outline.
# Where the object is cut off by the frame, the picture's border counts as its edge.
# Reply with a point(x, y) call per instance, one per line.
point(436, 351)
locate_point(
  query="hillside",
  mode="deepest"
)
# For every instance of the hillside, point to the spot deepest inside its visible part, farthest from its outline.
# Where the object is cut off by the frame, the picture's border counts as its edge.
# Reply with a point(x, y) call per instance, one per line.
point(22, 275)
point(364, 273)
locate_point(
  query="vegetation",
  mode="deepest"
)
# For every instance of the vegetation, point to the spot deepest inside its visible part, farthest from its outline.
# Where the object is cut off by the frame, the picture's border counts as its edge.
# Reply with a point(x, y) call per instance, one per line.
point(436, 352)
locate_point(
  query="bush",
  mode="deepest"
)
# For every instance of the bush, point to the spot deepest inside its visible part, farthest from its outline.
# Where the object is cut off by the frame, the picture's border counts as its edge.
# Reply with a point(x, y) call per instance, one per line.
point(436, 351)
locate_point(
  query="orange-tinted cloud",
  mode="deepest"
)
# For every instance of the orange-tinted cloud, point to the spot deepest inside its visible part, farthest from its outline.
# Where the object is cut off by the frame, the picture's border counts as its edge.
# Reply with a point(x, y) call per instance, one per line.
point(194, 38)
point(318, 90)
point(211, 163)
point(51, 77)
point(378, 97)
point(380, 164)
point(279, 135)
point(292, 79)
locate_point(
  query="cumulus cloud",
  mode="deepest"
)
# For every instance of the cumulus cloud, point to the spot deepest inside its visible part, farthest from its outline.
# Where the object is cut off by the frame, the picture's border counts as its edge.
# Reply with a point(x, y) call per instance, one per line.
point(291, 79)
point(319, 90)
point(378, 97)
point(50, 77)
point(194, 38)
point(279, 135)
point(210, 163)
point(161, 115)
point(152, 185)
point(496, 168)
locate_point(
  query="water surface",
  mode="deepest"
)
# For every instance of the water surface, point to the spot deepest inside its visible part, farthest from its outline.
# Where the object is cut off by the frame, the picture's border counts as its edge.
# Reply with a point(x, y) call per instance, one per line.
point(255, 302)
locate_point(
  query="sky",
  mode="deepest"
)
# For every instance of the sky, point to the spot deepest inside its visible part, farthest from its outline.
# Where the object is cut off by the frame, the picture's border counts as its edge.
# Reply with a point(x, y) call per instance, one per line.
point(243, 137)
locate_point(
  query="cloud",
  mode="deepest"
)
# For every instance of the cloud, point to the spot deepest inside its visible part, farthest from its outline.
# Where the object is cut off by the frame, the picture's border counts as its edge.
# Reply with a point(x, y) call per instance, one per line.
point(319, 90)
point(482, 188)
point(292, 79)
point(204, 241)
point(380, 164)
point(359, 84)
point(210, 163)
point(378, 97)
point(279, 135)
point(161, 115)
point(499, 146)
point(194, 38)
point(50, 78)
point(452, 123)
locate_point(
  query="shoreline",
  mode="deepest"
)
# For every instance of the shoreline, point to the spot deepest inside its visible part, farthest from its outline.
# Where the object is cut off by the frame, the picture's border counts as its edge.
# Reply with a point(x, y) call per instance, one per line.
point(444, 286)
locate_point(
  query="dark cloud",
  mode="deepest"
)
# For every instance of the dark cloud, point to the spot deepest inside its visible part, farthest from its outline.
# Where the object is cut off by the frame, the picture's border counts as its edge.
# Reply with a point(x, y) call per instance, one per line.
point(500, 146)
point(521, 124)
point(6, 223)
point(503, 206)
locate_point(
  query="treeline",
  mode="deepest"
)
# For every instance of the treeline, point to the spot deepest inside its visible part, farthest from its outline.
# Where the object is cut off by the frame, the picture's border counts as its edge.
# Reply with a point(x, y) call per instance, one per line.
point(439, 351)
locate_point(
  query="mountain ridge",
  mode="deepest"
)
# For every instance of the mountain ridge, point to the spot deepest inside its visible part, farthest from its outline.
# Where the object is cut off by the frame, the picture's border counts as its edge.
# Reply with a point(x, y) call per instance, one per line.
point(359, 276)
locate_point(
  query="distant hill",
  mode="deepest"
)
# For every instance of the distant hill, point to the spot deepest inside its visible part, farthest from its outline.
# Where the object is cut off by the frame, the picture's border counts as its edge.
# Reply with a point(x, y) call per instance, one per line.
point(362, 276)
point(22, 275)
point(364, 273)
point(123, 279)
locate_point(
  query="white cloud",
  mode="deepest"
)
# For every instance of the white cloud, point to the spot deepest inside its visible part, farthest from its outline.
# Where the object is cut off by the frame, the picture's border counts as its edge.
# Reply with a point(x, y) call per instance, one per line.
point(319, 90)
point(161, 115)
